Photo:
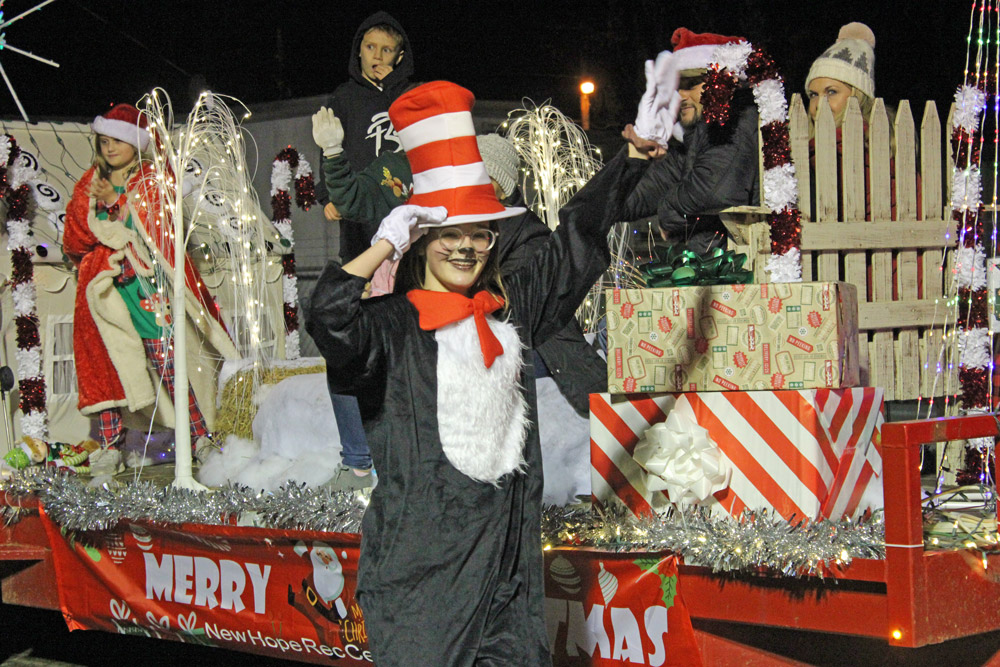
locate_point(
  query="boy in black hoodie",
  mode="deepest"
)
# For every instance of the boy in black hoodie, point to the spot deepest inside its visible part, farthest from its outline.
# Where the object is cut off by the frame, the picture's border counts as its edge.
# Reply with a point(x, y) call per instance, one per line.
point(379, 67)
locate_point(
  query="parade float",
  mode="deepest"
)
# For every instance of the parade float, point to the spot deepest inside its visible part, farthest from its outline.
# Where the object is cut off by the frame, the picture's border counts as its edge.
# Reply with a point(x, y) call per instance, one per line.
point(741, 469)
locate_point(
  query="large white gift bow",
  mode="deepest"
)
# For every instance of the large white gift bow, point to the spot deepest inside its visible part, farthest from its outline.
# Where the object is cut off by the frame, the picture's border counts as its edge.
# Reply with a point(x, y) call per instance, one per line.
point(680, 458)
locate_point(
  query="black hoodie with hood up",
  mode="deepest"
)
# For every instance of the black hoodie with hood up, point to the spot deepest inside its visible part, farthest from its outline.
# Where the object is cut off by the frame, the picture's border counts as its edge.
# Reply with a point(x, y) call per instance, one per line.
point(363, 109)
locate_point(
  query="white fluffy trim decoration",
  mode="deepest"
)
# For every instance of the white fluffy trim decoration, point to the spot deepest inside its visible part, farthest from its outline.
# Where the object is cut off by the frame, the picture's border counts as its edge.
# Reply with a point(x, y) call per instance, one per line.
point(24, 297)
point(974, 348)
point(966, 189)
point(29, 363)
point(20, 173)
point(785, 268)
point(771, 103)
point(781, 190)
point(4, 149)
point(34, 424)
point(980, 444)
point(290, 289)
point(19, 234)
point(733, 57)
point(969, 103)
point(293, 348)
point(281, 176)
point(970, 268)
point(284, 227)
point(304, 168)
point(482, 415)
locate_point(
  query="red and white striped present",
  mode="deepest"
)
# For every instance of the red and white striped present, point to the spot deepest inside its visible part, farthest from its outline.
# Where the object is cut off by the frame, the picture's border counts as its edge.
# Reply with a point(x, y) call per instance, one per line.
point(809, 453)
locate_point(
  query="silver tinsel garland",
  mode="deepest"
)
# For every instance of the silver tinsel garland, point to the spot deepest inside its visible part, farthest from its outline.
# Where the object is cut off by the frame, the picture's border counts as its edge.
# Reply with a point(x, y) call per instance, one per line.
point(756, 541)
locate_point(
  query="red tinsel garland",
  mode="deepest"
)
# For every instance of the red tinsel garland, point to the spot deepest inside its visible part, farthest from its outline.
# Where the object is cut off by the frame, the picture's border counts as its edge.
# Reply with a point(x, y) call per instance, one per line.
point(281, 205)
point(305, 192)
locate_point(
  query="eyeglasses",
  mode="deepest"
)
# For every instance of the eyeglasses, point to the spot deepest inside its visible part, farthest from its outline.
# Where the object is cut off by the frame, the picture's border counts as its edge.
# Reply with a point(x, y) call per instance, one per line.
point(452, 237)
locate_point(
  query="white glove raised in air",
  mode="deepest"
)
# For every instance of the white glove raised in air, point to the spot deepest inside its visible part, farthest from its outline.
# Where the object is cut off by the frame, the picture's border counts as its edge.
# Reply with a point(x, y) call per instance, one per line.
point(405, 224)
point(328, 133)
point(657, 113)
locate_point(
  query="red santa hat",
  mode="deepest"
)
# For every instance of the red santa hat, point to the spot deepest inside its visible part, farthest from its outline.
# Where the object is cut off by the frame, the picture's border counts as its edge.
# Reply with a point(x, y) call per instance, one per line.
point(694, 50)
point(434, 125)
point(125, 123)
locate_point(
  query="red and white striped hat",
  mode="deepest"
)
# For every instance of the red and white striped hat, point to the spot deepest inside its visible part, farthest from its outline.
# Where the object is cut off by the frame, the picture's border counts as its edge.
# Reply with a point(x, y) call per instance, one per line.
point(125, 123)
point(434, 124)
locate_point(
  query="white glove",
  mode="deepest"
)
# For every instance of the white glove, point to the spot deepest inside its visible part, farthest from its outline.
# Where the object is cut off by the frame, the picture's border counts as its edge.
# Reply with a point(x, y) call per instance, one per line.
point(328, 133)
point(659, 104)
point(405, 224)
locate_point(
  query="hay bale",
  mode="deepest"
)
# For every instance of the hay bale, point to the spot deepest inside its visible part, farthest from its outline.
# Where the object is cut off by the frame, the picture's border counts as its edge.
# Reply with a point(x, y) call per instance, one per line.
point(239, 397)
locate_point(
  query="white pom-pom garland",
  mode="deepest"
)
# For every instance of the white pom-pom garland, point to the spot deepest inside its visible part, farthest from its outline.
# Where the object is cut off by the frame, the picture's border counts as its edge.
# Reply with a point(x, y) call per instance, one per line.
point(771, 103)
point(304, 168)
point(733, 57)
point(29, 363)
point(292, 349)
point(19, 234)
point(284, 228)
point(969, 104)
point(974, 348)
point(967, 189)
point(785, 268)
point(970, 267)
point(281, 176)
point(781, 190)
point(24, 298)
point(35, 424)
point(290, 289)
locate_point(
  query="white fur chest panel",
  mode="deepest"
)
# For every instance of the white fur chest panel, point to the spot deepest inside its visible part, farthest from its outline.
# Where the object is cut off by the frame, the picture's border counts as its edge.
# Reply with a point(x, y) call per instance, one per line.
point(482, 416)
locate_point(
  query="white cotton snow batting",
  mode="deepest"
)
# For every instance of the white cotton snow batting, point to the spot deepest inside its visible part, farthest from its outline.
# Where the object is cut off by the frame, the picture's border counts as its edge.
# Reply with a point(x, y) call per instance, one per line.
point(281, 176)
point(974, 348)
point(780, 187)
point(969, 103)
point(970, 268)
point(733, 57)
point(785, 268)
point(771, 103)
point(966, 189)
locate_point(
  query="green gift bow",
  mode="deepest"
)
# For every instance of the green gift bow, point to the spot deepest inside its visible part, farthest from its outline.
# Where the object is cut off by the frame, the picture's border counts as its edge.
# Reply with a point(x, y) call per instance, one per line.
point(681, 268)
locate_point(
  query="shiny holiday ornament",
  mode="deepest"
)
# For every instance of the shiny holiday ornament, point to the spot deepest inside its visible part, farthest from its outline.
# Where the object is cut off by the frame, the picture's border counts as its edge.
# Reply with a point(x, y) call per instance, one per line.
point(565, 575)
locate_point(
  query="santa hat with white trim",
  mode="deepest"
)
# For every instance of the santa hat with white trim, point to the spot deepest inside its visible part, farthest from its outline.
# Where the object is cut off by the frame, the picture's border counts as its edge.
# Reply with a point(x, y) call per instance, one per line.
point(694, 50)
point(434, 124)
point(125, 123)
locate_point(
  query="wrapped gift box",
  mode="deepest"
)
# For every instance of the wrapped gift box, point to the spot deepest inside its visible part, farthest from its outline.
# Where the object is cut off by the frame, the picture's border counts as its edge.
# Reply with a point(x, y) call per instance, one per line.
point(768, 336)
point(809, 453)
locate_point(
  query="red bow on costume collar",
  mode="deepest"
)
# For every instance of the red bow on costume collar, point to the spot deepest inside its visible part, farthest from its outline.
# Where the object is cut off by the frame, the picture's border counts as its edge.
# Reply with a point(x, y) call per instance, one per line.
point(440, 308)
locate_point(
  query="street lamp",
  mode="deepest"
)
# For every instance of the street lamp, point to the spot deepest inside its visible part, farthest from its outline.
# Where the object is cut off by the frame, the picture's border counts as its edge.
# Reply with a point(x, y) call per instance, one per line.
point(587, 88)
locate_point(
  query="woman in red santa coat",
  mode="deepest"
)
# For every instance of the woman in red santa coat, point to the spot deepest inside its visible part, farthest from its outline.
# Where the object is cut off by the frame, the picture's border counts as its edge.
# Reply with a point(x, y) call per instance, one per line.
point(119, 235)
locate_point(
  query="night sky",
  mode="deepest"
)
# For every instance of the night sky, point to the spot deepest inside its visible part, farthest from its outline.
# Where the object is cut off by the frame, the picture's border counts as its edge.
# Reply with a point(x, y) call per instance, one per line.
point(115, 50)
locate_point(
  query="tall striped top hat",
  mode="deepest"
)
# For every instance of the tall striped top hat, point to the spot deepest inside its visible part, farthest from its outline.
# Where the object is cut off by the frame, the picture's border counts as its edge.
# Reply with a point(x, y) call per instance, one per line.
point(434, 124)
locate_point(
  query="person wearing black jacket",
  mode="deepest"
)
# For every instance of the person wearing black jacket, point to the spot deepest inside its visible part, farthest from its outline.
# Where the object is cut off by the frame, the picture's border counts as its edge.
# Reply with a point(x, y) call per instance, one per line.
point(380, 67)
point(378, 75)
point(710, 168)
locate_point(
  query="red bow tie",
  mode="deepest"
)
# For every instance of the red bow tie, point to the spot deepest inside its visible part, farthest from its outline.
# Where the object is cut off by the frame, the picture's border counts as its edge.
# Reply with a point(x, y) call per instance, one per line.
point(440, 308)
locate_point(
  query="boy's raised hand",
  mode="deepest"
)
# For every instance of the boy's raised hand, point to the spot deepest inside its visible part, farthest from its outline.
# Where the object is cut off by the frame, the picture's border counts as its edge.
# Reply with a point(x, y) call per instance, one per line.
point(328, 133)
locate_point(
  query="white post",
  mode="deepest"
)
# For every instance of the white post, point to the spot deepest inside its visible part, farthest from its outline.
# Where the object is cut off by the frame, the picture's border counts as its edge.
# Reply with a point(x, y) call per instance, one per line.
point(183, 477)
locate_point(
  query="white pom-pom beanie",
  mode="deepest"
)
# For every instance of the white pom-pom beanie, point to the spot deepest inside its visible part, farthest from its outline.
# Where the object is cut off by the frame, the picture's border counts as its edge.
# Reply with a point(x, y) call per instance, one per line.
point(851, 59)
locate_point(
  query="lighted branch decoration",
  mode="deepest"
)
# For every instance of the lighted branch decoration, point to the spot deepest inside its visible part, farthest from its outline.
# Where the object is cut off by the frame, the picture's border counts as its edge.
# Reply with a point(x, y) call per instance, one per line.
point(286, 163)
point(16, 191)
point(5, 46)
point(558, 160)
point(731, 65)
point(212, 139)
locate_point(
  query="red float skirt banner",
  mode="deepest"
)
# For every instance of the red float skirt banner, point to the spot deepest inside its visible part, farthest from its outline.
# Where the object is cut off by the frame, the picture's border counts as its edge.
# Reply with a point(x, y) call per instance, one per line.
point(290, 594)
